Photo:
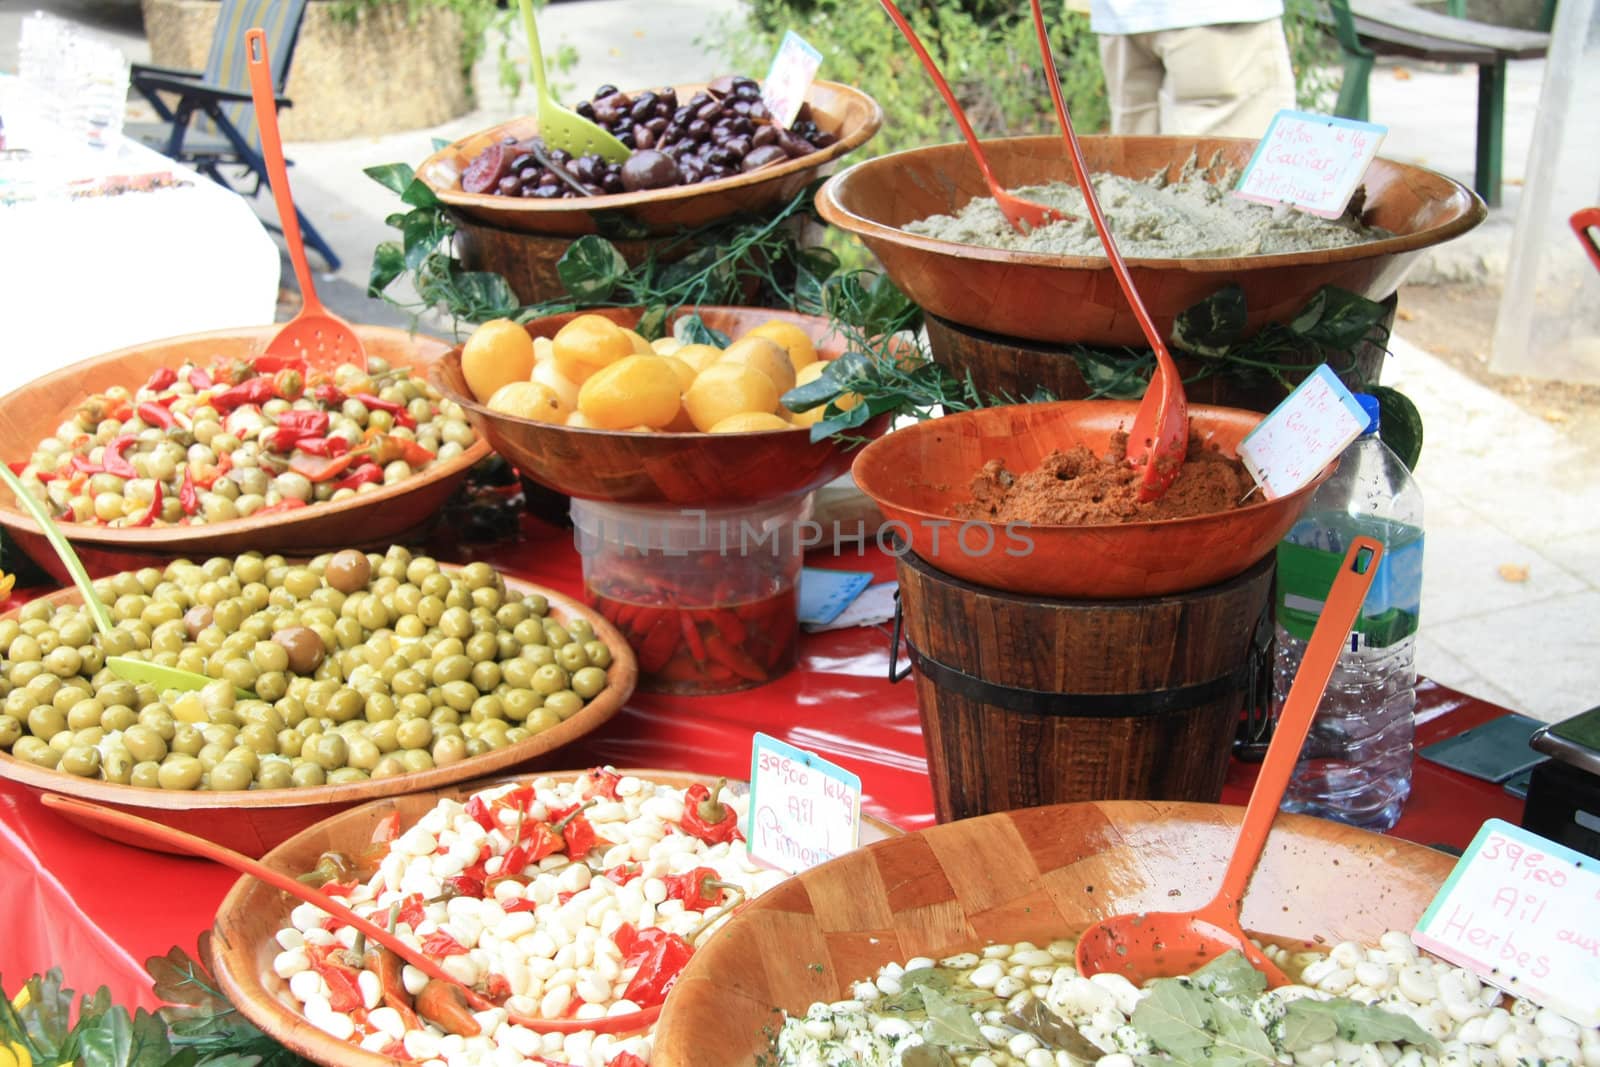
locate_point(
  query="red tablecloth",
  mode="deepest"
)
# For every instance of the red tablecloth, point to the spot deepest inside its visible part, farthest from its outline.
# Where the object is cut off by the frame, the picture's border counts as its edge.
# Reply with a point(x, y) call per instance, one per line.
point(98, 909)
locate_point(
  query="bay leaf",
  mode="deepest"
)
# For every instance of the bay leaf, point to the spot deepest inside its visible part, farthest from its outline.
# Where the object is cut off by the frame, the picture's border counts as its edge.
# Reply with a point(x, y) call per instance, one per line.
point(1230, 975)
point(1355, 1022)
point(1053, 1032)
point(1192, 1025)
point(950, 1024)
point(926, 1056)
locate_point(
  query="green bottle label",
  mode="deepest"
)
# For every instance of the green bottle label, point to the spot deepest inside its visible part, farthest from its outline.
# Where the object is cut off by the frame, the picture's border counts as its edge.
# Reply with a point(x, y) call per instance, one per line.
point(1306, 572)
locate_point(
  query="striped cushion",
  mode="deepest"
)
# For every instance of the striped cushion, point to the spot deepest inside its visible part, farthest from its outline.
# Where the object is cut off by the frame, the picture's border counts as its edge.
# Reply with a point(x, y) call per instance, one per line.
point(226, 65)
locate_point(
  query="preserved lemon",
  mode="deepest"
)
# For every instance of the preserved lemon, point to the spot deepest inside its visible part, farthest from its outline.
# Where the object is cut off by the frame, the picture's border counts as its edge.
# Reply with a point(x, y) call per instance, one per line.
point(684, 372)
point(750, 422)
point(633, 391)
point(764, 355)
point(698, 356)
point(498, 352)
point(547, 374)
point(588, 343)
point(795, 342)
point(528, 400)
point(641, 347)
point(724, 389)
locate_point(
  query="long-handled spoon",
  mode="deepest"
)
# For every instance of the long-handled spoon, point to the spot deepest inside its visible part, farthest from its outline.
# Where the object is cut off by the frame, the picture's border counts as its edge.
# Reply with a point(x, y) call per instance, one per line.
point(124, 667)
point(199, 846)
point(1162, 944)
point(316, 334)
point(1024, 215)
point(561, 127)
point(1159, 438)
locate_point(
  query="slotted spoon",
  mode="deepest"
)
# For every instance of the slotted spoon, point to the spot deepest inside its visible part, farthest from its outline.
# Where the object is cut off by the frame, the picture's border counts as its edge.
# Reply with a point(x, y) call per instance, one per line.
point(1159, 438)
point(1024, 215)
point(1165, 944)
point(315, 335)
point(561, 127)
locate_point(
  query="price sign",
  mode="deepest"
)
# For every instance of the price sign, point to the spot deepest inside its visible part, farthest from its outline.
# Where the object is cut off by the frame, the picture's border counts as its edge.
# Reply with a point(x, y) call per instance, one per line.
point(1520, 912)
point(793, 68)
point(1311, 162)
point(1312, 425)
point(803, 809)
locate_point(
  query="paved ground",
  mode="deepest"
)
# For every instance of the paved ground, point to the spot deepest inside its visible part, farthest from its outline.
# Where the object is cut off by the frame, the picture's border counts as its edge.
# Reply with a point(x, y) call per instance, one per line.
point(1512, 588)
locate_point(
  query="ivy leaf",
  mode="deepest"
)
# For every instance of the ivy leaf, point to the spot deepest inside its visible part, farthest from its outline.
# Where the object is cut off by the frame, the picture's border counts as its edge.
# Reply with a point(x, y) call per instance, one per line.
point(692, 330)
point(591, 268)
point(836, 424)
point(1337, 318)
point(486, 294)
point(619, 225)
point(388, 263)
point(1230, 975)
point(681, 272)
point(1306, 1022)
point(950, 1025)
point(417, 194)
point(653, 323)
point(1213, 325)
point(1192, 1026)
point(421, 231)
point(821, 389)
point(1053, 1032)
point(113, 1039)
point(395, 177)
point(1400, 424)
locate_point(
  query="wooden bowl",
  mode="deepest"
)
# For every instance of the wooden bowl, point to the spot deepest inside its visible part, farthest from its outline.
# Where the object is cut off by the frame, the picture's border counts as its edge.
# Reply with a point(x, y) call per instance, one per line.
point(255, 821)
point(663, 468)
point(919, 474)
point(849, 114)
point(251, 913)
point(1076, 298)
point(31, 413)
point(1038, 874)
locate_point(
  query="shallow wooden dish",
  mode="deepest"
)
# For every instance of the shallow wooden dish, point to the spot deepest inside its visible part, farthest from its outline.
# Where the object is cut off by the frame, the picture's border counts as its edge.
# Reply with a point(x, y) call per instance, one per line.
point(1036, 874)
point(31, 413)
point(919, 474)
point(1076, 299)
point(849, 114)
point(254, 821)
point(242, 948)
point(663, 468)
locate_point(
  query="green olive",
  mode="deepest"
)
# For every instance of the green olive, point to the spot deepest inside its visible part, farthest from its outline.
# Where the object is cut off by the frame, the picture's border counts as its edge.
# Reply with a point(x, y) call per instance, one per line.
point(388, 767)
point(186, 739)
point(10, 730)
point(306, 773)
point(451, 669)
point(485, 676)
point(346, 776)
point(143, 742)
point(599, 653)
point(45, 721)
point(517, 673)
point(540, 656)
point(327, 751)
point(448, 750)
point(269, 656)
point(82, 761)
point(344, 704)
point(588, 682)
point(276, 773)
point(180, 772)
point(84, 714)
point(230, 775)
point(417, 759)
point(146, 774)
point(487, 709)
point(459, 695)
point(565, 703)
point(520, 703)
point(414, 733)
point(572, 657)
point(32, 750)
point(549, 679)
point(363, 753)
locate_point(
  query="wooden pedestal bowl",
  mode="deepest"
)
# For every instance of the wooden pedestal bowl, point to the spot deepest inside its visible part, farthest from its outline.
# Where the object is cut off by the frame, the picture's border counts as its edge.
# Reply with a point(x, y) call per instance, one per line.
point(254, 821)
point(251, 913)
point(849, 114)
point(31, 413)
point(1076, 298)
point(692, 469)
point(1038, 875)
point(919, 475)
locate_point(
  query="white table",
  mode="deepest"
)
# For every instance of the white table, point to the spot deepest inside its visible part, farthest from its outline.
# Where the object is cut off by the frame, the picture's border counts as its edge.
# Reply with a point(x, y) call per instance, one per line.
point(82, 276)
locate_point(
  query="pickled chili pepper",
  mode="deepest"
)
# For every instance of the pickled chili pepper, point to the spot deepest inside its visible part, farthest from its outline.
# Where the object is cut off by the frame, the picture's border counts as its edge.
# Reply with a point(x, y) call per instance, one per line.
point(251, 391)
point(627, 1059)
point(322, 468)
point(441, 944)
point(188, 495)
point(364, 474)
point(386, 448)
point(112, 459)
point(623, 873)
point(154, 414)
point(699, 889)
point(602, 783)
point(386, 965)
point(292, 427)
point(153, 512)
point(164, 378)
point(658, 644)
point(224, 465)
point(398, 410)
point(734, 659)
point(288, 503)
point(273, 364)
point(331, 867)
point(84, 466)
point(706, 817)
point(660, 957)
point(289, 383)
point(411, 911)
point(199, 379)
point(691, 637)
point(577, 837)
point(344, 988)
point(445, 1005)
point(328, 394)
point(323, 446)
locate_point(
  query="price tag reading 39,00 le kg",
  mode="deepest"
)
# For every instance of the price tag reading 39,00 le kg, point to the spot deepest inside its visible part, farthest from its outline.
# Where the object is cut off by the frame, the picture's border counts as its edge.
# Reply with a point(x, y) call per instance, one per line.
point(803, 809)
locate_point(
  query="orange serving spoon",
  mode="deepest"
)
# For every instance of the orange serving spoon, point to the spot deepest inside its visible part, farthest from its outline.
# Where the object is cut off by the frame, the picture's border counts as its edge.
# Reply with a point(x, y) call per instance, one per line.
point(199, 846)
point(316, 335)
point(1024, 215)
point(1159, 438)
point(1164, 944)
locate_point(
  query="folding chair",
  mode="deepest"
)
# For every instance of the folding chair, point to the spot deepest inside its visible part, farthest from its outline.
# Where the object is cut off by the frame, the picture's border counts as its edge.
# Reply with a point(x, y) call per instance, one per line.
point(213, 124)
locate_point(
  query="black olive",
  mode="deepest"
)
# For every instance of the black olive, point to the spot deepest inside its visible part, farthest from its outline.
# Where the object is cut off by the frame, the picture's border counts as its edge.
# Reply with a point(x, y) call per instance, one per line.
point(762, 156)
point(723, 85)
point(605, 91)
point(649, 170)
point(643, 138)
point(586, 109)
point(765, 135)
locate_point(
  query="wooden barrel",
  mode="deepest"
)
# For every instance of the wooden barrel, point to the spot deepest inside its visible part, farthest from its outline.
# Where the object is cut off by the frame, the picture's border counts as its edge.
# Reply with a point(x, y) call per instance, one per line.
point(1028, 701)
point(528, 261)
point(1008, 366)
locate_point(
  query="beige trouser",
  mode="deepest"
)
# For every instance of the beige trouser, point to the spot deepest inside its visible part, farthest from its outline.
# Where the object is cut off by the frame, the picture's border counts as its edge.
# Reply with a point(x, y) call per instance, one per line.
point(1221, 81)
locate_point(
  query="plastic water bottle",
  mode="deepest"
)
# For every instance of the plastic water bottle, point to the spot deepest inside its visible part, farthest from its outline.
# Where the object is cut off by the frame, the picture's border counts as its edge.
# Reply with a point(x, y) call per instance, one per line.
point(1356, 763)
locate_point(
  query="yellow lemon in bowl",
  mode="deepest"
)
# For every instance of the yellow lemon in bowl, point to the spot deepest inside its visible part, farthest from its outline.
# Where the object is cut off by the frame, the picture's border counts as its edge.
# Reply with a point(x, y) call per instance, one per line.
point(751, 422)
point(794, 341)
point(634, 391)
point(587, 343)
point(547, 374)
point(641, 347)
point(528, 400)
point(763, 355)
point(498, 352)
point(698, 356)
point(725, 389)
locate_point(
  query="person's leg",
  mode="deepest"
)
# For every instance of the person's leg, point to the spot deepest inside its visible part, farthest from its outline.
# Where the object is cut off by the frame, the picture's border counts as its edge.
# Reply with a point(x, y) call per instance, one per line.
point(1224, 81)
point(1133, 81)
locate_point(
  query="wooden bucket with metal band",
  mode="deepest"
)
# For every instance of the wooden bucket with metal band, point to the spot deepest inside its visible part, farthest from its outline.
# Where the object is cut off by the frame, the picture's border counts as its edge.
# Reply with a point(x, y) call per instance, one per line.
point(1028, 701)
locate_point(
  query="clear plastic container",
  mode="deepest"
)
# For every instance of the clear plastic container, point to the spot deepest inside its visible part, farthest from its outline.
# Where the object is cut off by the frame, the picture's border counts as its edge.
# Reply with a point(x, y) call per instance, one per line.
point(707, 597)
point(1356, 763)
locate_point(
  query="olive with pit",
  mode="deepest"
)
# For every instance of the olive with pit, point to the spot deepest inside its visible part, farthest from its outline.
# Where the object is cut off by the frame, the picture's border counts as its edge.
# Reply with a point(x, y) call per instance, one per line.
point(348, 571)
point(304, 647)
point(649, 169)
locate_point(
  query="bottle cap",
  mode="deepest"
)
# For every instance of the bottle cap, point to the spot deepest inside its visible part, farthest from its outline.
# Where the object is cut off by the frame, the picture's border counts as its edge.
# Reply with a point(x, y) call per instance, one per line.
point(1369, 404)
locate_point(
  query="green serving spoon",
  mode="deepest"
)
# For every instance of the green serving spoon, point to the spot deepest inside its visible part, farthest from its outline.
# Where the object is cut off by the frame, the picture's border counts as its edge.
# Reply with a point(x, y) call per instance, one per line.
point(561, 127)
point(125, 667)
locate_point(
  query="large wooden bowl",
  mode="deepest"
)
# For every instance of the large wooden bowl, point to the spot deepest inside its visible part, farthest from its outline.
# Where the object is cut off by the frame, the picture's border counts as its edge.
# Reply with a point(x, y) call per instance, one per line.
point(919, 474)
point(700, 469)
point(31, 413)
point(251, 913)
point(849, 114)
point(254, 821)
point(1076, 298)
point(1036, 874)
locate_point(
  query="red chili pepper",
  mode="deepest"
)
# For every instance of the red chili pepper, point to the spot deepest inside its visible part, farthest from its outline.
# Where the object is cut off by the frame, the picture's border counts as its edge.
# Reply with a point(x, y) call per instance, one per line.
point(323, 446)
point(481, 813)
point(691, 637)
point(387, 830)
point(161, 379)
point(112, 460)
point(199, 379)
point(691, 888)
point(734, 659)
point(627, 1059)
point(660, 956)
point(328, 394)
point(288, 503)
point(224, 465)
point(122, 412)
point(659, 643)
point(466, 884)
point(398, 410)
point(344, 990)
point(153, 512)
point(322, 469)
point(603, 783)
point(708, 818)
point(292, 427)
point(442, 944)
point(367, 473)
point(396, 1050)
point(338, 889)
point(411, 911)
point(250, 391)
point(623, 873)
point(274, 364)
point(518, 904)
point(386, 448)
point(497, 988)
point(155, 415)
point(84, 466)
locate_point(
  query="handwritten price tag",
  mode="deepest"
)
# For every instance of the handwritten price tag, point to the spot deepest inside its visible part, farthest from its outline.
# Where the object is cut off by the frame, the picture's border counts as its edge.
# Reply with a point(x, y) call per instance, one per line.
point(803, 809)
point(1312, 162)
point(1520, 912)
point(793, 68)
point(1312, 425)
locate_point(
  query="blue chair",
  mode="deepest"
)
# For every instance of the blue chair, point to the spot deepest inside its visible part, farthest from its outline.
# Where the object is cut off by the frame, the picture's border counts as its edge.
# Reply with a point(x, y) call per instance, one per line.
point(212, 125)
